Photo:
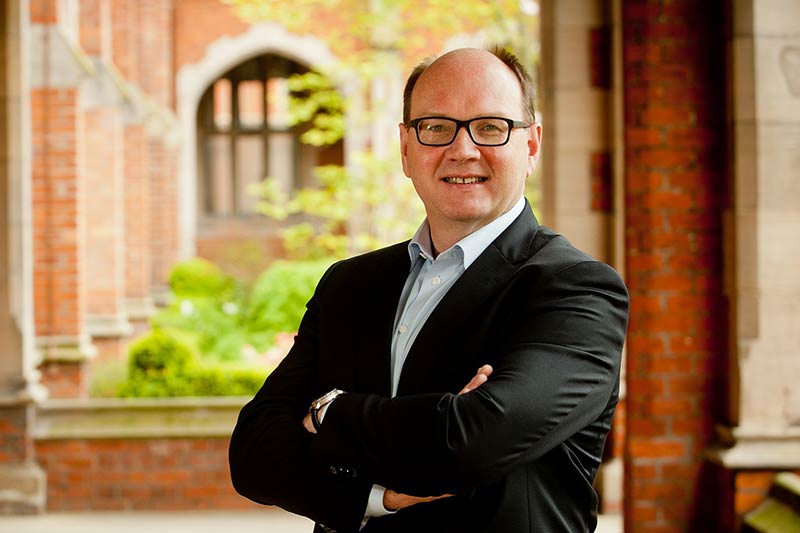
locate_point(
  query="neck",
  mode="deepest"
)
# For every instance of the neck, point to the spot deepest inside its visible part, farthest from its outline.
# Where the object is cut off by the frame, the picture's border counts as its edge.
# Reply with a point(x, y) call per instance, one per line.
point(444, 238)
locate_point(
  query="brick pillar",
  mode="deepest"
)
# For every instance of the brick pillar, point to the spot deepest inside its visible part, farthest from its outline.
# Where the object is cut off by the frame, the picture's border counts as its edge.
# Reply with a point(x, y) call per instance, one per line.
point(106, 320)
point(676, 186)
point(156, 51)
point(124, 48)
point(162, 159)
point(138, 297)
point(59, 281)
point(58, 216)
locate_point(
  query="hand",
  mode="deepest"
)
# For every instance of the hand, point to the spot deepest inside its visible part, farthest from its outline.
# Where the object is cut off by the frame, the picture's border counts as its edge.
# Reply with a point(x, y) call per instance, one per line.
point(478, 379)
point(394, 501)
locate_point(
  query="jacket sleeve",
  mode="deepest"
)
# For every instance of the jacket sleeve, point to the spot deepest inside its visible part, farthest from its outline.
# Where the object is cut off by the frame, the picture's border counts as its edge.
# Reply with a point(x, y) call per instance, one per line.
point(556, 369)
point(269, 455)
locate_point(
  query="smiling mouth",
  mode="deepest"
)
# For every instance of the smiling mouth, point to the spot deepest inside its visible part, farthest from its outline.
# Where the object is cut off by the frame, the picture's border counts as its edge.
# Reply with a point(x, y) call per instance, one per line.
point(464, 181)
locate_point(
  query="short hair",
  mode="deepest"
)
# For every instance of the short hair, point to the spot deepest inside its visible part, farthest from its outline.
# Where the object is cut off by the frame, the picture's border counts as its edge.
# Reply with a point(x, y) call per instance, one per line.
point(503, 54)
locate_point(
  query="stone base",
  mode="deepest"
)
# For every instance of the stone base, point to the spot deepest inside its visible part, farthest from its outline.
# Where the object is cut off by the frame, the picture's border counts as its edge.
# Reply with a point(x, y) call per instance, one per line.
point(750, 458)
point(73, 348)
point(23, 489)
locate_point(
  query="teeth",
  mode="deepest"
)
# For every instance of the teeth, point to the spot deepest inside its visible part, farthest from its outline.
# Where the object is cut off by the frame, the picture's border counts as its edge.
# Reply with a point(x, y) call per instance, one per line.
point(464, 181)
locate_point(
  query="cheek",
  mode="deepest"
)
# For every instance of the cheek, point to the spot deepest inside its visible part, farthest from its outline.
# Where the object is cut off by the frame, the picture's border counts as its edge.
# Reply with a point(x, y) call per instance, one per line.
point(421, 164)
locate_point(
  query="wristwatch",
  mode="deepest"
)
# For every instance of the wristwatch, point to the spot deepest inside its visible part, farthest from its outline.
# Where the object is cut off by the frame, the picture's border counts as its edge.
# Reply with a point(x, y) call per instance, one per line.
point(317, 405)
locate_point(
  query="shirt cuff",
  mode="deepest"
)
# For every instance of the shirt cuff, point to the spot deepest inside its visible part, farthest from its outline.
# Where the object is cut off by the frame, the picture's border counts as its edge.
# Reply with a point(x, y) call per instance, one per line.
point(375, 506)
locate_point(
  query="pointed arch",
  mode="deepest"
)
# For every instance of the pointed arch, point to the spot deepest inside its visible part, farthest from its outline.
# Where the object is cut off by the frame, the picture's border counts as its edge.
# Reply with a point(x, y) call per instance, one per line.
point(192, 81)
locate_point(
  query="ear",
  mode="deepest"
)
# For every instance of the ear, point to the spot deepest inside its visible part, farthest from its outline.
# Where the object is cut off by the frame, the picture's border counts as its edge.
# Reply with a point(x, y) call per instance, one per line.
point(534, 146)
point(404, 147)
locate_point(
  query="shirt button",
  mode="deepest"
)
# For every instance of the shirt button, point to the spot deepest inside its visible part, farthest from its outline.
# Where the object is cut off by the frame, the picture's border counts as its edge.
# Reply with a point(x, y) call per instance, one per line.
point(436, 281)
point(402, 329)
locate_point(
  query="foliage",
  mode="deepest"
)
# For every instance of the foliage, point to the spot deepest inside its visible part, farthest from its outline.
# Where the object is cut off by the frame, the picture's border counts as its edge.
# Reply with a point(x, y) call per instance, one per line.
point(207, 308)
point(350, 211)
point(217, 337)
point(160, 365)
point(315, 101)
point(279, 296)
point(360, 31)
point(199, 278)
point(222, 326)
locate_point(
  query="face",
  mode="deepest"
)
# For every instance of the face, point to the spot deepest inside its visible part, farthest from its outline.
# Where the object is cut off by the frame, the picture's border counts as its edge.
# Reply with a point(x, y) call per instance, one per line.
point(465, 186)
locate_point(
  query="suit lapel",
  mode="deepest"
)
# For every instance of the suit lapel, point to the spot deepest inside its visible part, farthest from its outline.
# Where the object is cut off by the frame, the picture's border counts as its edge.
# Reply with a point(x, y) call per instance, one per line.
point(373, 366)
point(490, 271)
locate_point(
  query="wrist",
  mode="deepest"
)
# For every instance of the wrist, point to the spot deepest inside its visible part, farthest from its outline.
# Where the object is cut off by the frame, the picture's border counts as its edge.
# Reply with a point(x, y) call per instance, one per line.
point(319, 407)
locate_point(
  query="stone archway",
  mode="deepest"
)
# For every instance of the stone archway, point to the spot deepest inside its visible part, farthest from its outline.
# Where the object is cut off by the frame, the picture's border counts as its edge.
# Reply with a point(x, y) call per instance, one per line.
point(222, 54)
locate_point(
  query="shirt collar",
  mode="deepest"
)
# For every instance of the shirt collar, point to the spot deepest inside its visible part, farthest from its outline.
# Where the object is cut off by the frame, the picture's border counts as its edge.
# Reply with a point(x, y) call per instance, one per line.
point(472, 245)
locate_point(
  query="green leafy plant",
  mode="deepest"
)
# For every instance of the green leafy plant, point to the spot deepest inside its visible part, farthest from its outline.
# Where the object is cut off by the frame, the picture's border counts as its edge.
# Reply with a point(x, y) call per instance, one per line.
point(200, 278)
point(279, 296)
point(160, 365)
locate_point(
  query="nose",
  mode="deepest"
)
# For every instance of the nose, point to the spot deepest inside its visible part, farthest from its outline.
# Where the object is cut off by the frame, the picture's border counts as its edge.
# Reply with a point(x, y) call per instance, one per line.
point(462, 146)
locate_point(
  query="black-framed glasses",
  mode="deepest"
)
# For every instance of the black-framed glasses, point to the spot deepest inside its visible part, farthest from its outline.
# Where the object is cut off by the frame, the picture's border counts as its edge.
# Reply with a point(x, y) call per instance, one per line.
point(484, 131)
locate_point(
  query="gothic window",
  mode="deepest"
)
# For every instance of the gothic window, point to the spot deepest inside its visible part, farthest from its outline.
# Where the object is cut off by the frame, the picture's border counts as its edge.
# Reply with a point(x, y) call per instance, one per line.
point(244, 136)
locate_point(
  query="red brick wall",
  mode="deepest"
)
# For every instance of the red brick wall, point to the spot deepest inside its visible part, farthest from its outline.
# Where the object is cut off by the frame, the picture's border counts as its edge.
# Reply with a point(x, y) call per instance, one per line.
point(163, 204)
point(43, 11)
point(65, 379)
point(137, 213)
point(92, 23)
point(124, 49)
point(152, 474)
point(216, 20)
point(104, 211)
point(155, 43)
point(676, 183)
point(16, 444)
point(58, 281)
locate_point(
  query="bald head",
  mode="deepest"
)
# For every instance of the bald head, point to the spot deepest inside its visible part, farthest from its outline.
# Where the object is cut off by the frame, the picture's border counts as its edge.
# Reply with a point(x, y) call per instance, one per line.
point(469, 62)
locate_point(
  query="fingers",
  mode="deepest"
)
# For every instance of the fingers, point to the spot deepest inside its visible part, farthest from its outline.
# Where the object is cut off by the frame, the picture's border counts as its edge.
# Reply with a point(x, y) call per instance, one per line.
point(478, 379)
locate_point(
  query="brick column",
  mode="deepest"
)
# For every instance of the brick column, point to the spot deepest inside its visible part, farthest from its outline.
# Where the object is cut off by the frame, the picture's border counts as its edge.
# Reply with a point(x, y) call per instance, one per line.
point(138, 298)
point(106, 320)
point(58, 216)
point(162, 159)
point(676, 187)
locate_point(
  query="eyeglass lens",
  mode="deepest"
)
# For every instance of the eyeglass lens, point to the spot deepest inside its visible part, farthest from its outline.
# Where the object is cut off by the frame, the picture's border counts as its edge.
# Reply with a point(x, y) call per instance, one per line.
point(442, 131)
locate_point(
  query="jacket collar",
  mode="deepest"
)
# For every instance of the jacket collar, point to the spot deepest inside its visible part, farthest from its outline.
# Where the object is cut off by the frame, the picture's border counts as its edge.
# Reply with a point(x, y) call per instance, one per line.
point(491, 270)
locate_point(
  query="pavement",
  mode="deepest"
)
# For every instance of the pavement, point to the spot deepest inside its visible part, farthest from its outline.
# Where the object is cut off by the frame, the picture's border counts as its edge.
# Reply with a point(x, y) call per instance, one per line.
point(270, 520)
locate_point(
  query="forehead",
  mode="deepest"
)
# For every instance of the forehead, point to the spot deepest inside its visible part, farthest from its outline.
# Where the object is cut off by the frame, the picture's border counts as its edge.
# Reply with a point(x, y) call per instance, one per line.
point(466, 84)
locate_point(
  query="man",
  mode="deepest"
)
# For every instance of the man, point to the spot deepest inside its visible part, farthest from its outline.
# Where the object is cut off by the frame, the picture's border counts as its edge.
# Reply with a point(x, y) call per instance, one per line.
point(479, 362)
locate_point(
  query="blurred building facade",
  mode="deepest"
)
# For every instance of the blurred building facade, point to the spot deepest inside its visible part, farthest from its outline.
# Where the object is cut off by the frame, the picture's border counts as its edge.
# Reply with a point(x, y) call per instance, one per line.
point(672, 134)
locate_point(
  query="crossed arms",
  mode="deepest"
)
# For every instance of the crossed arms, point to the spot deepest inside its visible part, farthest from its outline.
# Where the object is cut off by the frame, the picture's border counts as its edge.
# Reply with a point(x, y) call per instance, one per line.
point(555, 366)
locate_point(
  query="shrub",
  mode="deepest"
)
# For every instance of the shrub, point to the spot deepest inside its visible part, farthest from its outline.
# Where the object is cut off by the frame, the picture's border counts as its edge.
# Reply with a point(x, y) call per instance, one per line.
point(208, 304)
point(198, 278)
point(197, 344)
point(160, 365)
point(279, 296)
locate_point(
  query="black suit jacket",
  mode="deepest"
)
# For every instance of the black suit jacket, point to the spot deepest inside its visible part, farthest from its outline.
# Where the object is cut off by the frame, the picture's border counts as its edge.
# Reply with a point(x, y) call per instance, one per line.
point(519, 453)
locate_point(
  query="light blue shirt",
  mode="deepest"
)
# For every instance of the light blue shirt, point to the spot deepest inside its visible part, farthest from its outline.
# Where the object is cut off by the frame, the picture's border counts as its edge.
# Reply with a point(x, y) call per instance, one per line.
point(430, 279)
point(427, 283)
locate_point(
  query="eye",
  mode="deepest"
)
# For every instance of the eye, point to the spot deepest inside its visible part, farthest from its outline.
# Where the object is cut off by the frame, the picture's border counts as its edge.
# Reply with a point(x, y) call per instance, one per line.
point(436, 126)
point(433, 127)
point(488, 127)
